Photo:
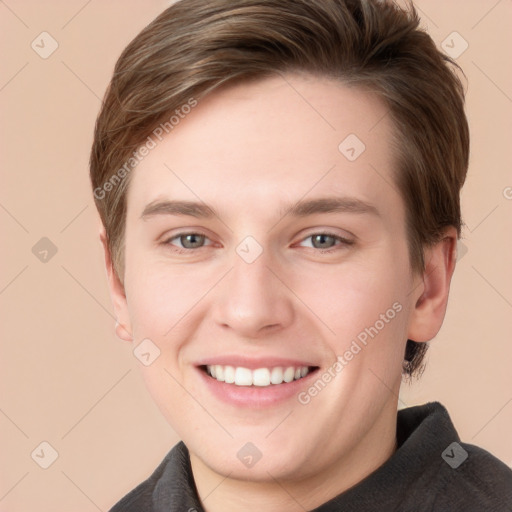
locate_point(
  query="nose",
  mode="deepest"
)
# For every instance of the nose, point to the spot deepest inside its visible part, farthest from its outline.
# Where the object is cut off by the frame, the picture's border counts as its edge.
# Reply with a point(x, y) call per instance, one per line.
point(253, 301)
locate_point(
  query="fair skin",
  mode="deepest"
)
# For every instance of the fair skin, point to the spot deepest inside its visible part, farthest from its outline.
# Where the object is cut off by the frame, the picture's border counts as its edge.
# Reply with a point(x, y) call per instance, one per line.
point(250, 152)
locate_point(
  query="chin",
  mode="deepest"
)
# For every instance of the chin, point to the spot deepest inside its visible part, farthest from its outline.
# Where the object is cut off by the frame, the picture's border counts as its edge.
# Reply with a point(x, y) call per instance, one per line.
point(253, 461)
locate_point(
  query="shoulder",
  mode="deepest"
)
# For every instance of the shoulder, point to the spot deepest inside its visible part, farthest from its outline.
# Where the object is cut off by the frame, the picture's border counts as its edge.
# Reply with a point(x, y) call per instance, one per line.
point(171, 473)
point(141, 497)
point(442, 472)
point(473, 479)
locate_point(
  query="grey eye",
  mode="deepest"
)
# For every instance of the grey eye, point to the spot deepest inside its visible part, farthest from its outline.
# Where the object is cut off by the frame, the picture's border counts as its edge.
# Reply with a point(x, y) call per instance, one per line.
point(192, 240)
point(323, 241)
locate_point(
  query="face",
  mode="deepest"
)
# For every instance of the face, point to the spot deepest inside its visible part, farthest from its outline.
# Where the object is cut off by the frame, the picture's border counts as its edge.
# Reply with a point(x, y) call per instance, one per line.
point(266, 247)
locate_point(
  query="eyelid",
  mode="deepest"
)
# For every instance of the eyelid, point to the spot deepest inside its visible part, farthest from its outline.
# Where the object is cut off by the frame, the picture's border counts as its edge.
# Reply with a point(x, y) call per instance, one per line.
point(344, 235)
point(167, 239)
point(341, 239)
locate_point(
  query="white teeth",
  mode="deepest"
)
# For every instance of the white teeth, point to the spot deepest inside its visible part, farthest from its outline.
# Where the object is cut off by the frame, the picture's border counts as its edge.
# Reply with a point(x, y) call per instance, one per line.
point(219, 372)
point(276, 376)
point(261, 377)
point(289, 374)
point(229, 374)
point(243, 376)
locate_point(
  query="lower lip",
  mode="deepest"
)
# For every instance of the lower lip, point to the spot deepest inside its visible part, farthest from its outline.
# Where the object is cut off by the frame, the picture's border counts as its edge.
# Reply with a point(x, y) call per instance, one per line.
point(254, 396)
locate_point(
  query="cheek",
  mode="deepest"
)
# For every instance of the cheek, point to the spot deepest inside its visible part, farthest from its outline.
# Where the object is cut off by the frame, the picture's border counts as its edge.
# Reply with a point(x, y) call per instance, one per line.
point(158, 300)
point(164, 299)
point(365, 303)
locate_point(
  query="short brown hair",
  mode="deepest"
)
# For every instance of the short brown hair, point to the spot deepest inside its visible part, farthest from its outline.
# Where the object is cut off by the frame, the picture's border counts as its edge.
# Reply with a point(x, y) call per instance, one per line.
point(195, 46)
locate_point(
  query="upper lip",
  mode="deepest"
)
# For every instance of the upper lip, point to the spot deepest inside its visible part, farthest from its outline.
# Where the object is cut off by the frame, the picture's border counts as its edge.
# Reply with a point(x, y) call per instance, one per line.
point(253, 363)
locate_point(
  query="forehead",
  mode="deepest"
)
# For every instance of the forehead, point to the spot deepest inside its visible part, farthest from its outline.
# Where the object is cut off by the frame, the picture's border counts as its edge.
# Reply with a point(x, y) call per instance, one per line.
point(278, 139)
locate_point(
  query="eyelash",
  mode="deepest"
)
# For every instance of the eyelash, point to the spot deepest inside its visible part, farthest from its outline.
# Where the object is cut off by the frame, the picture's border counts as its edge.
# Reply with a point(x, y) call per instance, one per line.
point(179, 250)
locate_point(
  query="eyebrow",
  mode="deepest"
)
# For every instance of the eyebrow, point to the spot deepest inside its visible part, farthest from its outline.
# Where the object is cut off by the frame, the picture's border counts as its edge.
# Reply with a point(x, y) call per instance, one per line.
point(302, 208)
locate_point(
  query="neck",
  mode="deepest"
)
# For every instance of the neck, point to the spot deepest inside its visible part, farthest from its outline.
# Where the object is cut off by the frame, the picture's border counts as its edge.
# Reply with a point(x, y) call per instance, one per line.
point(221, 493)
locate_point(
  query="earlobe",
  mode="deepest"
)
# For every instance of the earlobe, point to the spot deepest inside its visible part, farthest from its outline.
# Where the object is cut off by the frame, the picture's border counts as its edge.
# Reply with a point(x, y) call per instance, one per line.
point(117, 293)
point(122, 333)
point(429, 307)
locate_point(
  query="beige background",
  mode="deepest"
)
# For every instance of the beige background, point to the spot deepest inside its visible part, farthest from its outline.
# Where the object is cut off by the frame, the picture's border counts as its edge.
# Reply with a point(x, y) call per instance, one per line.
point(67, 380)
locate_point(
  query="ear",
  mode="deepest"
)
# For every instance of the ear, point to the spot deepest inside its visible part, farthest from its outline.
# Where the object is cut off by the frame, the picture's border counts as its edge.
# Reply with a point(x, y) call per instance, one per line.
point(117, 293)
point(431, 295)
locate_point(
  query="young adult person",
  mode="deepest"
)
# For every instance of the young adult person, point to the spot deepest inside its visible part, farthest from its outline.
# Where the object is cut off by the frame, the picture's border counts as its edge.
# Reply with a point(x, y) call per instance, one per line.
point(278, 183)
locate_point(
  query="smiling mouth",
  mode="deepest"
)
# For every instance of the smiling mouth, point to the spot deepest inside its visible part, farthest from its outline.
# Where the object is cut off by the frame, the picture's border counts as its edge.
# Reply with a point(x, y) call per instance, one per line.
point(260, 377)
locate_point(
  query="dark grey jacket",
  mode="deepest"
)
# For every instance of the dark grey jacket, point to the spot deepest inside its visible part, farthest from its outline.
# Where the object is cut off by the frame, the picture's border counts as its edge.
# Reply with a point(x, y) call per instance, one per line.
point(432, 471)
